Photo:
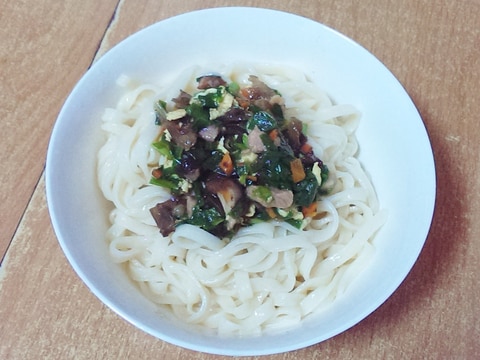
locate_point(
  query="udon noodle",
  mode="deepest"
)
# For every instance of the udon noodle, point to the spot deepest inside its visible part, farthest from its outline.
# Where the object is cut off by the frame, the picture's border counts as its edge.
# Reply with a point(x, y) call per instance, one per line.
point(269, 276)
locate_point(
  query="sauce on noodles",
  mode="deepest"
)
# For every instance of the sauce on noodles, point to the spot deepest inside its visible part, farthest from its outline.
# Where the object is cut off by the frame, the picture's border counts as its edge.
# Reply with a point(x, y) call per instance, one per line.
point(271, 275)
point(232, 159)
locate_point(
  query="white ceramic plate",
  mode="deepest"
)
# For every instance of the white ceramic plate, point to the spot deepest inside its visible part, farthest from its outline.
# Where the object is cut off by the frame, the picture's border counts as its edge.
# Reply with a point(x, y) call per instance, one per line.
point(395, 151)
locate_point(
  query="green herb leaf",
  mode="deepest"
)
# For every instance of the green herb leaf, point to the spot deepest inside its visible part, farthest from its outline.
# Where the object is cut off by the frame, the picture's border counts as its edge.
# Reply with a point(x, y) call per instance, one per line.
point(160, 108)
point(205, 218)
point(210, 98)
point(164, 183)
point(200, 115)
point(212, 161)
point(294, 222)
point(273, 169)
point(168, 149)
point(233, 88)
point(305, 191)
point(263, 120)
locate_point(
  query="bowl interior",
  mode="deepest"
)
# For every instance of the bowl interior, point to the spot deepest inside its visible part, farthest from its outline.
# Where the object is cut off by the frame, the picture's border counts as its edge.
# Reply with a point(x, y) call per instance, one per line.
point(391, 135)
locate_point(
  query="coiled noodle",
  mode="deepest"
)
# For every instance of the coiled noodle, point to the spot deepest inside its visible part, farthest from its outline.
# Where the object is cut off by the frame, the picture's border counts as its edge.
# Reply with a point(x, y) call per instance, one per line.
point(271, 275)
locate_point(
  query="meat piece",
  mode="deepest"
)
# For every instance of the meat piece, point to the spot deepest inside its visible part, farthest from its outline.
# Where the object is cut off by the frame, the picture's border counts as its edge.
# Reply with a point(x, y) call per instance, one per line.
point(255, 142)
point(281, 198)
point(262, 103)
point(210, 81)
point(209, 133)
point(182, 100)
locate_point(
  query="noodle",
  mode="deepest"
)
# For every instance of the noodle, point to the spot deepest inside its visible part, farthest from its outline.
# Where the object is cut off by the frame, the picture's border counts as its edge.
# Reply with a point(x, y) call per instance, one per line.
point(270, 276)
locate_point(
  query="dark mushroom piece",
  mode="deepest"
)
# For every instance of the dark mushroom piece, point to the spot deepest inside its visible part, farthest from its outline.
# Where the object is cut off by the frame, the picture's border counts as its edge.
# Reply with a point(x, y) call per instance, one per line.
point(210, 81)
point(166, 213)
point(182, 133)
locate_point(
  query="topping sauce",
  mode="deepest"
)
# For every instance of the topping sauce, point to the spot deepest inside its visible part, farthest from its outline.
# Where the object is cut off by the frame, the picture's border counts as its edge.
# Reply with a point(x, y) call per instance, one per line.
point(230, 159)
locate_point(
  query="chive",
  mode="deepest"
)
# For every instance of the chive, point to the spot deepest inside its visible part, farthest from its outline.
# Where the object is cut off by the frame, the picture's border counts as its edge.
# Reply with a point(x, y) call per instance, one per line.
point(160, 108)
point(233, 88)
point(210, 99)
point(163, 183)
point(263, 192)
point(163, 147)
point(294, 222)
point(168, 149)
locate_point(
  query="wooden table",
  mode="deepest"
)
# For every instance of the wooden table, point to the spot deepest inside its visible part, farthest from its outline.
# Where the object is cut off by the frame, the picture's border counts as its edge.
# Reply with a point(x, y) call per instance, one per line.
point(433, 47)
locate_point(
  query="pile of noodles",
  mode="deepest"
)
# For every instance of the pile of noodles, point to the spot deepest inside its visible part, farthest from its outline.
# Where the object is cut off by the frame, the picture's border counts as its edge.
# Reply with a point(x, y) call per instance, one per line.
point(270, 276)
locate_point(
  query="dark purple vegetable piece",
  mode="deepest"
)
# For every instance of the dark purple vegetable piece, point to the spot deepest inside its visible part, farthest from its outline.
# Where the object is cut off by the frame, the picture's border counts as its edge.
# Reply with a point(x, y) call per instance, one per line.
point(235, 115)
point(189, 167)
point(294, 134)
point(309, 158)
point(166, 213)
point(296, 139)
point(232, 129)
point(210, 81)
point(234, 121)
point(182, 133)
point(228, 187)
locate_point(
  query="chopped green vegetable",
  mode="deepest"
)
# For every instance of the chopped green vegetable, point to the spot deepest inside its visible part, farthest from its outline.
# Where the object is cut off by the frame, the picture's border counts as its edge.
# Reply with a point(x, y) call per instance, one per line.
point(160, 108)
point(205, 218)
point(233, 88)
point(305, 191)
point(167, 148)
point(164, 183)
point(263, 120)
point(200, 115)
point(210, 98)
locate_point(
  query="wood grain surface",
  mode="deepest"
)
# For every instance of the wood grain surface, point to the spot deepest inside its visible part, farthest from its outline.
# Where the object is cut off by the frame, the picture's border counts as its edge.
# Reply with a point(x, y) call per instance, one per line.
point(432, 47)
